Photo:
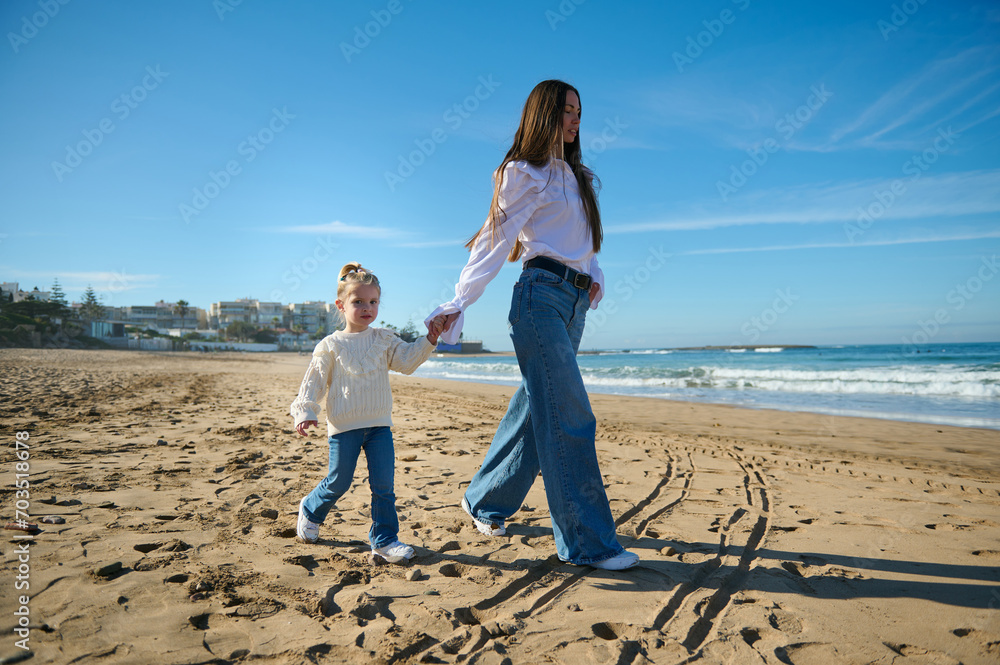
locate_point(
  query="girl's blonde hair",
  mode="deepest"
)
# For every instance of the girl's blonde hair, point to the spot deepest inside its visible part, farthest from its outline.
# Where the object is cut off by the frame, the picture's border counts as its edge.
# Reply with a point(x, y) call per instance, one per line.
point(351, 275)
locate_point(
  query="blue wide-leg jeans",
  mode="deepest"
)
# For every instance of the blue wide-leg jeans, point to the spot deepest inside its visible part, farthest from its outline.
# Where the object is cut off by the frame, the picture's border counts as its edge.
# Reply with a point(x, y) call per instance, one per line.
point(344, 450)
point(549, 426)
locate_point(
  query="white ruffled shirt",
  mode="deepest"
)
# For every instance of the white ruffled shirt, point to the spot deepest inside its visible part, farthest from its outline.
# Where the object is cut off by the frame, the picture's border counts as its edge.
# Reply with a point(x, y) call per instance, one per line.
point(544, 209)
point(352, 370)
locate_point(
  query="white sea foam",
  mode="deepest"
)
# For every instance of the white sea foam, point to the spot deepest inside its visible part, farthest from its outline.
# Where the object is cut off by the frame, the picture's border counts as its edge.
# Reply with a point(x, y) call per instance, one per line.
point(961, 385)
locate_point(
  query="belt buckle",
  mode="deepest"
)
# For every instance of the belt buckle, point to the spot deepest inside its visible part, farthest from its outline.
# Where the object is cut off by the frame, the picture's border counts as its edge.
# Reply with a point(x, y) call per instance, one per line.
point(581, 281)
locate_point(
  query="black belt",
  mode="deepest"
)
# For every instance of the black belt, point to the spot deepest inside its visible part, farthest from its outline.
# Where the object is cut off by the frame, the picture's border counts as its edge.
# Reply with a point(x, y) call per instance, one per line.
point(578, 279)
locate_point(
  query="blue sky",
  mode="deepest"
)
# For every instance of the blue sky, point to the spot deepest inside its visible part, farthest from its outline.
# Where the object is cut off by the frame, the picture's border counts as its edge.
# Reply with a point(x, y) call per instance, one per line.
point(773, 173)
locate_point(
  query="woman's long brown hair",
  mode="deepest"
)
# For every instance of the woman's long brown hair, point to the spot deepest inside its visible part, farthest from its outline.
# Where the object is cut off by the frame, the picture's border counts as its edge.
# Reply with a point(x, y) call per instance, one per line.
point(537, 140)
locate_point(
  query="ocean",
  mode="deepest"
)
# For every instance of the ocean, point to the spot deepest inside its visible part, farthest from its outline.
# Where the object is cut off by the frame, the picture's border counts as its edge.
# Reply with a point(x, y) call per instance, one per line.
point(948, 384)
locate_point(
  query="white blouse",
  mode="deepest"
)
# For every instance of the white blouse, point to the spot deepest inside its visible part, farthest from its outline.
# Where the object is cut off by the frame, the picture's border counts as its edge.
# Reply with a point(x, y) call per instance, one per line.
point(544, 209)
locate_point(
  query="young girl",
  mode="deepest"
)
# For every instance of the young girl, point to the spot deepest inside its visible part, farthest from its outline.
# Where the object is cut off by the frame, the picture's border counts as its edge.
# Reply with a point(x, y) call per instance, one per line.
point(351, 367)
point(544, 213)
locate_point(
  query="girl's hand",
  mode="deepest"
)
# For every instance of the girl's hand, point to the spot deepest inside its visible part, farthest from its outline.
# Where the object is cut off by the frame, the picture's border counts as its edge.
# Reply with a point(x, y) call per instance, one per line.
point(304, 425)
point(595, 289)
point(449, 319)
point(435, 328)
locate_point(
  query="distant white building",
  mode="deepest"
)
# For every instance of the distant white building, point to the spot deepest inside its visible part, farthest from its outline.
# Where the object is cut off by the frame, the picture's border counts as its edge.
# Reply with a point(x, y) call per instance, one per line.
point(272, 315)
point(311, 317)
point(162, 315)
point(11, 292)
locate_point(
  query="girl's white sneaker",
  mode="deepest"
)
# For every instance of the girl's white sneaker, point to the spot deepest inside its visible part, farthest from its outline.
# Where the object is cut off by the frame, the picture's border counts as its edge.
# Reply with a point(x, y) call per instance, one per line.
point(307, 532)
point(394, 552)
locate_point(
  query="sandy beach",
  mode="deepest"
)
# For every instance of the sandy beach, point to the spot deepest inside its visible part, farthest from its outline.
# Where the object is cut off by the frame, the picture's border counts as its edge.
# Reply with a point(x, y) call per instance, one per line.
point(765, 537)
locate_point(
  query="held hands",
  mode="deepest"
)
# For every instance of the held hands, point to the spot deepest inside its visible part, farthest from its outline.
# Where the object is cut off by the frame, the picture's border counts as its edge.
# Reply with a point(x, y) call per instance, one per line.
point(304, 425)
point(435, 328)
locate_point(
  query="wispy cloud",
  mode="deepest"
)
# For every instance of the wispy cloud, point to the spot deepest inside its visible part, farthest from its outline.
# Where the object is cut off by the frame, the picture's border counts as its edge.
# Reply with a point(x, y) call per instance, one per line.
point(339, 228)
point(953, 88)
point(948, 195)
point(454, 242)
point(101, 280)
point(985, 235)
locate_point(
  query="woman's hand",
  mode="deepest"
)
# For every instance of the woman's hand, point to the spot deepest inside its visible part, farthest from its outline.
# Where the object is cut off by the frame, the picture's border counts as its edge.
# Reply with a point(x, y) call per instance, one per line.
point(449, 319)
point(595, 289)
point(304, 425)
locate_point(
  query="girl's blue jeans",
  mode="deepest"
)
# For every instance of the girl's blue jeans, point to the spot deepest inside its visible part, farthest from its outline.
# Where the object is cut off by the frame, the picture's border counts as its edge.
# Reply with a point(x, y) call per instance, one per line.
point(344, 450)
point(549, 426)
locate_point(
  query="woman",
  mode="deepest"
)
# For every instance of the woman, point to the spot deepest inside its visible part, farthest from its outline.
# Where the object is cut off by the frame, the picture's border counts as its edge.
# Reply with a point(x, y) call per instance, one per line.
point(544, 213)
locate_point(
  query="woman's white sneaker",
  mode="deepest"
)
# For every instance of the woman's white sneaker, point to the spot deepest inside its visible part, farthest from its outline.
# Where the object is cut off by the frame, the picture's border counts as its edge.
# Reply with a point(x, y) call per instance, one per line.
point(394, 552)
point(307, 532)
point(618, 562)
point(491, 529)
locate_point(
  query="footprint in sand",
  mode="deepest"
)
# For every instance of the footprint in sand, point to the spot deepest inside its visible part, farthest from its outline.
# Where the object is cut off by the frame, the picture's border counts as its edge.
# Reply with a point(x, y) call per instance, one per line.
point(915, 654)
point(948, 527)
point(810, 653)
point(990, 643)
point(784, 621)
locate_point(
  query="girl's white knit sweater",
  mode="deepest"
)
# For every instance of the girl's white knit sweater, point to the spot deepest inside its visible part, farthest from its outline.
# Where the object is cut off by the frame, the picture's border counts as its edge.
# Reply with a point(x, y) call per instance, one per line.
point(352, 370)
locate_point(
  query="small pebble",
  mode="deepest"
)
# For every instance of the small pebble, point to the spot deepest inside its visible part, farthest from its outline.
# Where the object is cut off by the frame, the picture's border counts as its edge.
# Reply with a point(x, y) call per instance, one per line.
point(202, 586)
point(573, 607)
point(161, 442)
point(668, 551)
point(376, 560)
point(269, 513)
point(52, 519)
point(450, 546)
point(432, 592)
point(196, 596)
point(82, 486)
point(108, 504)
point(413, 575)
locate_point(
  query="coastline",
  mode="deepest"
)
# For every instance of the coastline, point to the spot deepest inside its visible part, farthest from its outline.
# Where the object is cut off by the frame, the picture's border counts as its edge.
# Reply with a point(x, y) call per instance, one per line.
point(808, 538)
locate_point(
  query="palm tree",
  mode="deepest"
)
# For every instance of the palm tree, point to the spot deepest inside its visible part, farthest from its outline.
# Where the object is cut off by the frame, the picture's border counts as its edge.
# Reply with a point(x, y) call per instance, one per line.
point(181, 309)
